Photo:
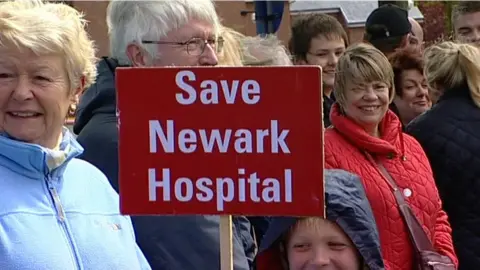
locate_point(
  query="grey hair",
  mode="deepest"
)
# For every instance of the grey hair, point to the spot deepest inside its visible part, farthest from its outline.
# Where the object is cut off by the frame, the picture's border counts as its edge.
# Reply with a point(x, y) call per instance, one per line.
point(133, 21)
point(262, 51)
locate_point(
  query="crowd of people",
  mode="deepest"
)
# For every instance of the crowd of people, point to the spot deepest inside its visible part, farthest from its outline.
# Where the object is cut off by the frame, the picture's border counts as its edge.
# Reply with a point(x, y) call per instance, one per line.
point(402, 142)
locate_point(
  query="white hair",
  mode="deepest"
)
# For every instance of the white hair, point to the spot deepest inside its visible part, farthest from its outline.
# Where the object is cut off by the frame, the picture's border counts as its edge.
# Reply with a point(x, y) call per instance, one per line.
point(47, 28)
point(133, 21)
point(265, 51)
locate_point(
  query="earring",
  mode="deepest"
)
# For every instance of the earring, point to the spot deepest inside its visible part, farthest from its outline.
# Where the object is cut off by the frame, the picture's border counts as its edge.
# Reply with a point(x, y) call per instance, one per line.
point(73, 106)
point(72, 109)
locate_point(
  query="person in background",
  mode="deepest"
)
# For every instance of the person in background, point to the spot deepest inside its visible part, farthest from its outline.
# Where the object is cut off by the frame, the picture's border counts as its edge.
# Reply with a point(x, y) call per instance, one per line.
point(346, 240)
point(411, 89)
point(450, 135)
point(155, 34)
point(466, 22)
point(264, 51)
point(388, 29)
point(319, 39)
point(416, 37)
point(56, 212)
point(231, 53)
point(241, 50)
point(366, 139)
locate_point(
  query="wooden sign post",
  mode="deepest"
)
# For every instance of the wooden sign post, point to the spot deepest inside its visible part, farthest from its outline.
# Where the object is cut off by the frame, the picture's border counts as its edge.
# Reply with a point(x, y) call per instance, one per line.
point(221, 141)
point(226, 249)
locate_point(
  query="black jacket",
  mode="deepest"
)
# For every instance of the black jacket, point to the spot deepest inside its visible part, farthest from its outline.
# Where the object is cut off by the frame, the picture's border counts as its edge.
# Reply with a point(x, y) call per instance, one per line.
point(168, 242)
point(327, 106)
point(450, 135)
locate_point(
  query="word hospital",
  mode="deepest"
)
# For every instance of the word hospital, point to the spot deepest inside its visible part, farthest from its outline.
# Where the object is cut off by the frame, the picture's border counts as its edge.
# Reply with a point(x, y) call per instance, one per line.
point(221, 189)
point(166, 138)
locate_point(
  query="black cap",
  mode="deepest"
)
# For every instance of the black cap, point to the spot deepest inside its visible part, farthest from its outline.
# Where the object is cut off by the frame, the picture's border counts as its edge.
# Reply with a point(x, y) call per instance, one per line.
point(387, 21)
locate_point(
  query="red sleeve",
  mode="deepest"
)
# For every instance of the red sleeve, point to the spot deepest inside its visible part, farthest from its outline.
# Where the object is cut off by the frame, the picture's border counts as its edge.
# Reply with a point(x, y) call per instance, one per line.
point(269, 259)
point(443, 236)
point(330, 160)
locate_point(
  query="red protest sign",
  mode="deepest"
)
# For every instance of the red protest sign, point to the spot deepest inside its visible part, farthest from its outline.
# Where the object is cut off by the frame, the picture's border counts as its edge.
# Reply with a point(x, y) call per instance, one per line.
point(220, 141)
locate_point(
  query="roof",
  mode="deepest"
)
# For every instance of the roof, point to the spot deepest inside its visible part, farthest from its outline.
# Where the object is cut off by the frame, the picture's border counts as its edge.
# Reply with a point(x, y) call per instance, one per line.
point(354, 12)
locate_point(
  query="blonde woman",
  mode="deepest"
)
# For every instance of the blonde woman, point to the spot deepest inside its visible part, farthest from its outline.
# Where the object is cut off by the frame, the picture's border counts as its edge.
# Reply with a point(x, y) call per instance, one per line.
point(450, 135)
point(56, 212)
point(231, 53)
point(241, 50)
point(366, 139)
point(265, 51)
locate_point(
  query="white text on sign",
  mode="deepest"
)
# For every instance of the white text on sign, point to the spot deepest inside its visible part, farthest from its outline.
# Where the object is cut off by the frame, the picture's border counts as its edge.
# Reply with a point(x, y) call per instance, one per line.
point(164, 136)
point(221, 189)
point(209, 94)
point(243, 140)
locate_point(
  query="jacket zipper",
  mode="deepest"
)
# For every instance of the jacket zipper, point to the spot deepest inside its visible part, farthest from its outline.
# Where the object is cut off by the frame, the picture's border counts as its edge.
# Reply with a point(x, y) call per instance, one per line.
point(61, 218)
point(439, 263)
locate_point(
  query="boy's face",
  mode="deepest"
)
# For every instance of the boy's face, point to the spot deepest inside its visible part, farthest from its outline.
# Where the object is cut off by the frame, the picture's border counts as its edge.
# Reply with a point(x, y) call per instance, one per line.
point(325, 52)
point(321, 244)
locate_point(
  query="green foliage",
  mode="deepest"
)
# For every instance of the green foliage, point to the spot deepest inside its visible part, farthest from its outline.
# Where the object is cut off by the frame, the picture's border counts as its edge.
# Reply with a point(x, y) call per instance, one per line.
point(448, 15)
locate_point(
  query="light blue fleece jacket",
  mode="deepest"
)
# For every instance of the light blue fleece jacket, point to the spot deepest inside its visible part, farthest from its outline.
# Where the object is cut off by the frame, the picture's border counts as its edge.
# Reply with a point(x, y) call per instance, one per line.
point(60, 213)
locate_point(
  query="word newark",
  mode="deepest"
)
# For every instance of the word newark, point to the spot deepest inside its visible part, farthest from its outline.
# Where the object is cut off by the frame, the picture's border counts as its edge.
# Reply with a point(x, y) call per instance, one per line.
point(221, 189)
point(244, 140)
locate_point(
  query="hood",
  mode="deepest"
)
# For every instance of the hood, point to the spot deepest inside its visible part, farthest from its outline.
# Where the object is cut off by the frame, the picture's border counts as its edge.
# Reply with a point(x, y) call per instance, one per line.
point(347, 205)
point(98, 98)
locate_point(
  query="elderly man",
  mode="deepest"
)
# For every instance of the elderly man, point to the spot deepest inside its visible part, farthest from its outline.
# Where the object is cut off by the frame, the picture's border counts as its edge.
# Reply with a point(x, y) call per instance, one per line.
point(416, 38)
point(466, 22)
point(158, 33)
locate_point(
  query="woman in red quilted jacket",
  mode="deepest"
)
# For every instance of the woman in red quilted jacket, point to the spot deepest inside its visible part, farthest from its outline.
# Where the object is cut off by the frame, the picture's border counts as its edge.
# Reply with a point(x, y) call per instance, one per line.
point(365, 132)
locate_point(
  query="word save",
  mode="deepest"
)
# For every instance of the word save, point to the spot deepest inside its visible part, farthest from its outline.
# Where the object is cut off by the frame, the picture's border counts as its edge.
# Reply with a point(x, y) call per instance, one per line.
point(166, 138)
point(209, 94)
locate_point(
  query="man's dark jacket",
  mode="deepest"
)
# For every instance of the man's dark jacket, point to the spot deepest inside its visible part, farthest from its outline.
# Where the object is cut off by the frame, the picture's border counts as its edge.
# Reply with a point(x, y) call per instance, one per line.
point(168, 242)
point(450, 136)
point(327, 106)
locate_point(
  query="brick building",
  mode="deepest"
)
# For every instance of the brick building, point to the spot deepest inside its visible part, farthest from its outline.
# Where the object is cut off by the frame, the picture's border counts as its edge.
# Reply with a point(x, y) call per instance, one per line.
point(240, 16)
point(352, 14)
point(236, 14)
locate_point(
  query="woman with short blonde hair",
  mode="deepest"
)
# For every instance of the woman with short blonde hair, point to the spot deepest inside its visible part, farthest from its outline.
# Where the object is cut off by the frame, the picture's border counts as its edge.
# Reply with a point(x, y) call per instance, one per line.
point(56, 211)
point(450, 135)
point(366, 139)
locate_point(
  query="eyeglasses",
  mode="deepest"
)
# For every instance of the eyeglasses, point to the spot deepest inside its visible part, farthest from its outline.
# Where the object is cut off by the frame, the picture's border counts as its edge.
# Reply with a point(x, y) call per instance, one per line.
point(195, 46)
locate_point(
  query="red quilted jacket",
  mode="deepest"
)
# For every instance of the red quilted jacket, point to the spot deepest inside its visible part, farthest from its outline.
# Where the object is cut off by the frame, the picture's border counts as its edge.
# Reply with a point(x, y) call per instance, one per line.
point(405, 160)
